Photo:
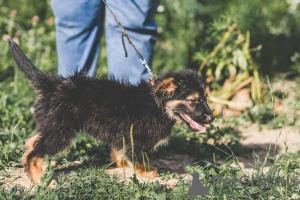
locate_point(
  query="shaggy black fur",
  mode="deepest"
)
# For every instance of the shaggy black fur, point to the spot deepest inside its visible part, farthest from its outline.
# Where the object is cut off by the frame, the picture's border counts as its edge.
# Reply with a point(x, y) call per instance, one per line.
point(106, 109)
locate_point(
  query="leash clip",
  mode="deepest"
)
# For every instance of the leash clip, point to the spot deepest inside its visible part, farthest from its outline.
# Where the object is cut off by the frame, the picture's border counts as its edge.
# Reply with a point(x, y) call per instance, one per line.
point(144, 62)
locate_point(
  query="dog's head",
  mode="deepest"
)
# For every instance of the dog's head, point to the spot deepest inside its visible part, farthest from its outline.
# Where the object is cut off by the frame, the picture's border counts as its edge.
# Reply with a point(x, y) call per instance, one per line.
point(182, 95)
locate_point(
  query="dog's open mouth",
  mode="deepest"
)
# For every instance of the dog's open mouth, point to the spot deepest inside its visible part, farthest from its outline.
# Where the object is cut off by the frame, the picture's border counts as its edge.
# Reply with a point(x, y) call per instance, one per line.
point(196, 126)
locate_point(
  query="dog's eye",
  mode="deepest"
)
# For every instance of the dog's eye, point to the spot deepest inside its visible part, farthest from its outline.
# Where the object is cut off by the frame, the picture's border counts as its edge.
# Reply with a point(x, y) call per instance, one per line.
point(193, 100)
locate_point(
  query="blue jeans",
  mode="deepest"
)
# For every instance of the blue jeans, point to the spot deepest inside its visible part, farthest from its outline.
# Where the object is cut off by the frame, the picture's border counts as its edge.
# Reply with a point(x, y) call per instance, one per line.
point(79, 25)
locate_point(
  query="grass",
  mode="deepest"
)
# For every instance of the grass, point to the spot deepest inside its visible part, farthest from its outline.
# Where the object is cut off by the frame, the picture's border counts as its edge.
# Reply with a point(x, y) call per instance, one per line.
point(89, 179)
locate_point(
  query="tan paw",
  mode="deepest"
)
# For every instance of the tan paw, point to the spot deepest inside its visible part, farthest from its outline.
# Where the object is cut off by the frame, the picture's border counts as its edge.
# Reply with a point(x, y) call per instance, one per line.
point(150, 172)
point(34, 169)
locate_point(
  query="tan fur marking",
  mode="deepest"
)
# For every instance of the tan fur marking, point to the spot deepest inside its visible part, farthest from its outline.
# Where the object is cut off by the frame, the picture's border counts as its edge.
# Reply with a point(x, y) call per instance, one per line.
point(117, 155)
point(39, 96)
point(161, 142)
point(35, 171)
point(53, 163)
point(193, 96)
point(167, 86)
point(171, 106)
point(29, 144)
point(24, 157)
point(151, 172)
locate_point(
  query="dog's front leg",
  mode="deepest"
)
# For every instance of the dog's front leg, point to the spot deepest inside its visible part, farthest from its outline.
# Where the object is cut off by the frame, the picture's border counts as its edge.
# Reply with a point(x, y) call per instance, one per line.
point(143, 170)
point(146, 171)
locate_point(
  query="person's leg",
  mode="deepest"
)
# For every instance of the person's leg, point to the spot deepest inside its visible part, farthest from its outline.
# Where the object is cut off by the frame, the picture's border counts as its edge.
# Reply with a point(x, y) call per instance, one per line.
point(137, 17)
point(78, 30)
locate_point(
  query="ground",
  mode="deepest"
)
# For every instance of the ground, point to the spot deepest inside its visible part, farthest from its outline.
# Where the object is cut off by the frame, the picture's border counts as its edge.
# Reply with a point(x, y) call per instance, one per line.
point(253, 139)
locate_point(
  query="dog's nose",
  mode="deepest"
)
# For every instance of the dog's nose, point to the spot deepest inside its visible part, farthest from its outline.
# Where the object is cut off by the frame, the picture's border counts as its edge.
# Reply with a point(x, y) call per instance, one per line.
point(209, 118)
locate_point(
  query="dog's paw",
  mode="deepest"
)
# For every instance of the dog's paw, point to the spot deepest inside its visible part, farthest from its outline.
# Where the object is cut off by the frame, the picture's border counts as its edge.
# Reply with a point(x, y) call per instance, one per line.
point(150, 172)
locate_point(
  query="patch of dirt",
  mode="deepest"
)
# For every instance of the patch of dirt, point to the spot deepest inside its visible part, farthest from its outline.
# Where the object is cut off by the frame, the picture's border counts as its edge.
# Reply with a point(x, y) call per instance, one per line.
point(257, 141)
point(16, 177)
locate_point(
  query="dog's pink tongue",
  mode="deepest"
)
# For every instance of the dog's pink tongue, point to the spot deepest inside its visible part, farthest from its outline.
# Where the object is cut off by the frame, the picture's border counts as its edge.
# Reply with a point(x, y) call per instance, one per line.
point(200, 127)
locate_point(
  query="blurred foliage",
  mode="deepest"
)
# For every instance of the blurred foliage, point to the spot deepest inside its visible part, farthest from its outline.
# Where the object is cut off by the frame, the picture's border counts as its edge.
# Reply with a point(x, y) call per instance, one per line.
point(275, 25)
point(230, 67)
point(184, 28)
point(181, 28)
point(32, 29)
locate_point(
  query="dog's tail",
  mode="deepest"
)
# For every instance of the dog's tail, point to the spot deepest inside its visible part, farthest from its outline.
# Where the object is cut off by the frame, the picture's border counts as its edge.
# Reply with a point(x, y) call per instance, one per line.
point(32, 73)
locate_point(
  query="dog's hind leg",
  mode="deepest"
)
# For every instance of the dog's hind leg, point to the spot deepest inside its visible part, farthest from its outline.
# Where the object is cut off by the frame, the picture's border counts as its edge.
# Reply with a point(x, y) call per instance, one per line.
point(33, 168)
point(29, 146)
point(39, 146)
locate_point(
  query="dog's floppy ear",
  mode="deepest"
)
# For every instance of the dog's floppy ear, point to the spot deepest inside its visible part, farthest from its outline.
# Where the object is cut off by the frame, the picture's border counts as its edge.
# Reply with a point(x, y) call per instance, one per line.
point(166, 86)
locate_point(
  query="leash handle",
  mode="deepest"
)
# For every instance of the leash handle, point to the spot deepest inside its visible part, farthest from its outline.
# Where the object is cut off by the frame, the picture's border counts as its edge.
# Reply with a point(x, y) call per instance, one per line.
point(124, 34)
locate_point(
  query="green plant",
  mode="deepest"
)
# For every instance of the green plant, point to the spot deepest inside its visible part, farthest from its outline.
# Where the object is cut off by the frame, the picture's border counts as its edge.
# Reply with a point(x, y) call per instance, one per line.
point(230, 62)
point(15, 192)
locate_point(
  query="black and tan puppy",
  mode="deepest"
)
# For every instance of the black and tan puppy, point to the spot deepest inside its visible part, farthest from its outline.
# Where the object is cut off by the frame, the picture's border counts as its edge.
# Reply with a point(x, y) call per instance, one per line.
point(106, 109)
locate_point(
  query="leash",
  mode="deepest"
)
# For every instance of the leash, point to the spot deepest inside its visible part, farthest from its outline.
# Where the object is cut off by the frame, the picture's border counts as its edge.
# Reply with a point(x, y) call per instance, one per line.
point(124, 34)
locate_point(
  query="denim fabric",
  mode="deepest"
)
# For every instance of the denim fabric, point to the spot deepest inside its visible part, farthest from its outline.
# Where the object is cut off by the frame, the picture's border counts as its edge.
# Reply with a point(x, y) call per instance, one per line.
point(79, 27)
